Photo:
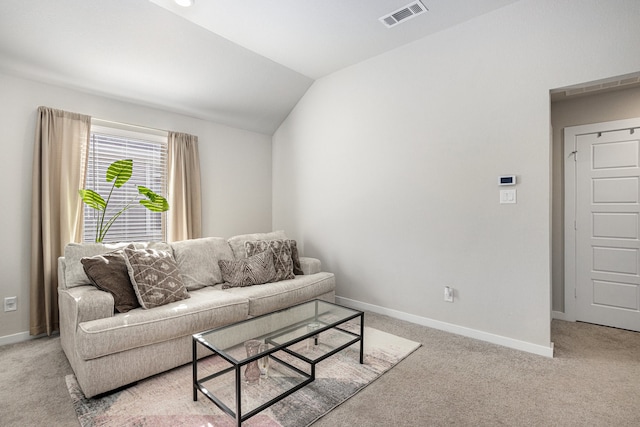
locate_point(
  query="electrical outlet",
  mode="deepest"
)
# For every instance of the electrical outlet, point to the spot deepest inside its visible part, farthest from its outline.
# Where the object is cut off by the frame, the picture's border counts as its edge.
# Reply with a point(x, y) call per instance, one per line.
point(448, 294)
point(10, 303)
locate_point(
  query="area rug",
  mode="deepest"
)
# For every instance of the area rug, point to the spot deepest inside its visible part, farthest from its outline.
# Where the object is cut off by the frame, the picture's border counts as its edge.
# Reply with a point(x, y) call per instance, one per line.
point(167, 399)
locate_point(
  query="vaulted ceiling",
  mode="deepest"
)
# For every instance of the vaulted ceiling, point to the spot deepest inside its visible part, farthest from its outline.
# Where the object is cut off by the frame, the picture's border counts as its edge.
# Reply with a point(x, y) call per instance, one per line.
point(240, 63)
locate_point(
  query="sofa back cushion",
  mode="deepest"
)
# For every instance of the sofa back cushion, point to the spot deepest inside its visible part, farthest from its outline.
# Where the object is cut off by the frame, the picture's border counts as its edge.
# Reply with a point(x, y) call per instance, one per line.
point(197, 260)
point(74, 272)
point(237, 243)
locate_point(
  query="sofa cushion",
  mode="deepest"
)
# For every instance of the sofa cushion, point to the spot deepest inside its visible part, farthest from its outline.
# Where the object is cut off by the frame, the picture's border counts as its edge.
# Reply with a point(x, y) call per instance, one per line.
point(108, 272)
point(197, 260)
point(74, 252)
point(281, 251)
point(207, 308)
point(237, 242)
point(255, 270)
point(154, 276)
point(277, 295)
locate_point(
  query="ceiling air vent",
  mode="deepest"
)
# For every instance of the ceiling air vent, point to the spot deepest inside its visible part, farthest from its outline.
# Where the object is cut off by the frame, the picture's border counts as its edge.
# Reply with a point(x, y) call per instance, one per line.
point(403, 14)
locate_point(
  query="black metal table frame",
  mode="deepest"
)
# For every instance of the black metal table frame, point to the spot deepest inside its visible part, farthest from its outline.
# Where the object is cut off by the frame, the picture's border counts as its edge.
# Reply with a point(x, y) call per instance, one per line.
point(237, 366)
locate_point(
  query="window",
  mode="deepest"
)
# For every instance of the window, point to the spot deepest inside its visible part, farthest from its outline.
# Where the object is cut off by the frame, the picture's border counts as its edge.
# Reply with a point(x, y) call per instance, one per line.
point(148, 149)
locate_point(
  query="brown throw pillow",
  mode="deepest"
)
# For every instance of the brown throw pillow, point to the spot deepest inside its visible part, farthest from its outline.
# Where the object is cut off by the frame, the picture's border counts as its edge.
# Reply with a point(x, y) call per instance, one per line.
point(281, 251)
point(295, 258)
point(154, 276)
point(108, 272)
point(254, 270)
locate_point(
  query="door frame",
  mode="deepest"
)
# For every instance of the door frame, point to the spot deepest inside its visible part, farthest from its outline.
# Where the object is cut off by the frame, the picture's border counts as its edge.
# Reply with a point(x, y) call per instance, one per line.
point(570, 170)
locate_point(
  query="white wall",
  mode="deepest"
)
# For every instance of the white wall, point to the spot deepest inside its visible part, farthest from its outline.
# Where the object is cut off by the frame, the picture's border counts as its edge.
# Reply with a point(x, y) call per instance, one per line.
point(388, 170)
point(235, 164)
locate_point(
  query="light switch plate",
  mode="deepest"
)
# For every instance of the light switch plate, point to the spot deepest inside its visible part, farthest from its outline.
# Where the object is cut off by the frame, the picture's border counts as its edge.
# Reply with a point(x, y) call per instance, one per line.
point(507, 196)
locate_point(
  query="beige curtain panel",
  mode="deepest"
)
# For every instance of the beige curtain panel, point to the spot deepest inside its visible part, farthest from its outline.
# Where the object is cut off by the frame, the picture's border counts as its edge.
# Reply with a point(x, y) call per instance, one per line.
point(184, 217)
point(56, 210)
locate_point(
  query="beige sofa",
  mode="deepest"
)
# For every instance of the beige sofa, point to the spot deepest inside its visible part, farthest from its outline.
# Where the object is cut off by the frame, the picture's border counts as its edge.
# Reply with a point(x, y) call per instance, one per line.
point(107, 349)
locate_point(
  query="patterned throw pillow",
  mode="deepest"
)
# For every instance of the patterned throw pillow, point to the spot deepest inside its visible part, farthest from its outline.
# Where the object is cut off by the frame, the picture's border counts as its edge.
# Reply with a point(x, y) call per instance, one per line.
point(254, 270)
point(281, 251)
point(108, 272)
point(154, 276)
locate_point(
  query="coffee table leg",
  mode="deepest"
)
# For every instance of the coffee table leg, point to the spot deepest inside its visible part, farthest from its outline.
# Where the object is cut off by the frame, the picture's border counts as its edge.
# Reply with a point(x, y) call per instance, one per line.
point(238, 397)
point(362, 338)
point(195, 369)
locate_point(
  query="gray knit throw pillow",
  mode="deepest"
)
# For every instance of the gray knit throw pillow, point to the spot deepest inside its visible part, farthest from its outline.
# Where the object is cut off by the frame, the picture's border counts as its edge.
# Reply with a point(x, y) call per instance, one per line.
point(254, 270)
point(281, 250)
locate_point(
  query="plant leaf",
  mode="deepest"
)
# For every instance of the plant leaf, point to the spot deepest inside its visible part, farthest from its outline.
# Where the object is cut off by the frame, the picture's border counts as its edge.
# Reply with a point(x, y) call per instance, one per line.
point(93, 199)
point(120, 170)
point(105, 228)
point(154, 202)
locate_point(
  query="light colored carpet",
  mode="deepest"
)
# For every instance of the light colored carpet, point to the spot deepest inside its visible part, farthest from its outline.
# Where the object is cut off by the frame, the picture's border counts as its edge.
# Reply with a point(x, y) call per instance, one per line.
point(166, 399)
point(593, 380)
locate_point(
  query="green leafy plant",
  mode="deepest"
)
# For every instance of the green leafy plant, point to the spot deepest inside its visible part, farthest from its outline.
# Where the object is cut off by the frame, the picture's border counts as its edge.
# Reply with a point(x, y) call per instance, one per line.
point(120, 172)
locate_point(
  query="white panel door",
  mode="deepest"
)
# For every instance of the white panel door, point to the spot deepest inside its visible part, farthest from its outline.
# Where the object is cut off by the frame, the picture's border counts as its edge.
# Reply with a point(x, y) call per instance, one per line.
point(607, 236)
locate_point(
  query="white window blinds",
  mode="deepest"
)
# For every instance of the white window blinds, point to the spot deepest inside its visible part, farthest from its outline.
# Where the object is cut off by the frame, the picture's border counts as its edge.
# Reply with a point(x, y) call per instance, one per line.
point(148, 150)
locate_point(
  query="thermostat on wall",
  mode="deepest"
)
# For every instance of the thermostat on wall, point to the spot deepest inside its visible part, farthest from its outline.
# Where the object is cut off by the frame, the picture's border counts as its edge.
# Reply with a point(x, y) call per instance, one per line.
point(507, 180)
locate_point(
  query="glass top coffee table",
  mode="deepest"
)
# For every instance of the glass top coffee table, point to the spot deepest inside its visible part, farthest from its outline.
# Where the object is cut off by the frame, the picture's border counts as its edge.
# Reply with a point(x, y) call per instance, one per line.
point(267, 358)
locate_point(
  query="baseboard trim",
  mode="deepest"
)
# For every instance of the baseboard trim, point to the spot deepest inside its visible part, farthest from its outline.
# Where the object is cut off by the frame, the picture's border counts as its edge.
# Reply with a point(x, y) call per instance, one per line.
point(449, 327)
point(15, 338)
point(559, 315)
point(419, 320)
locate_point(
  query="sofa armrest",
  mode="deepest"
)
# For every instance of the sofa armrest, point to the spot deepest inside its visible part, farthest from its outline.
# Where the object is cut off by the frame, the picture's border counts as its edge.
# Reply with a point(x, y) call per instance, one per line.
point(310, 265)
point(83, 303)
point(77, 305)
